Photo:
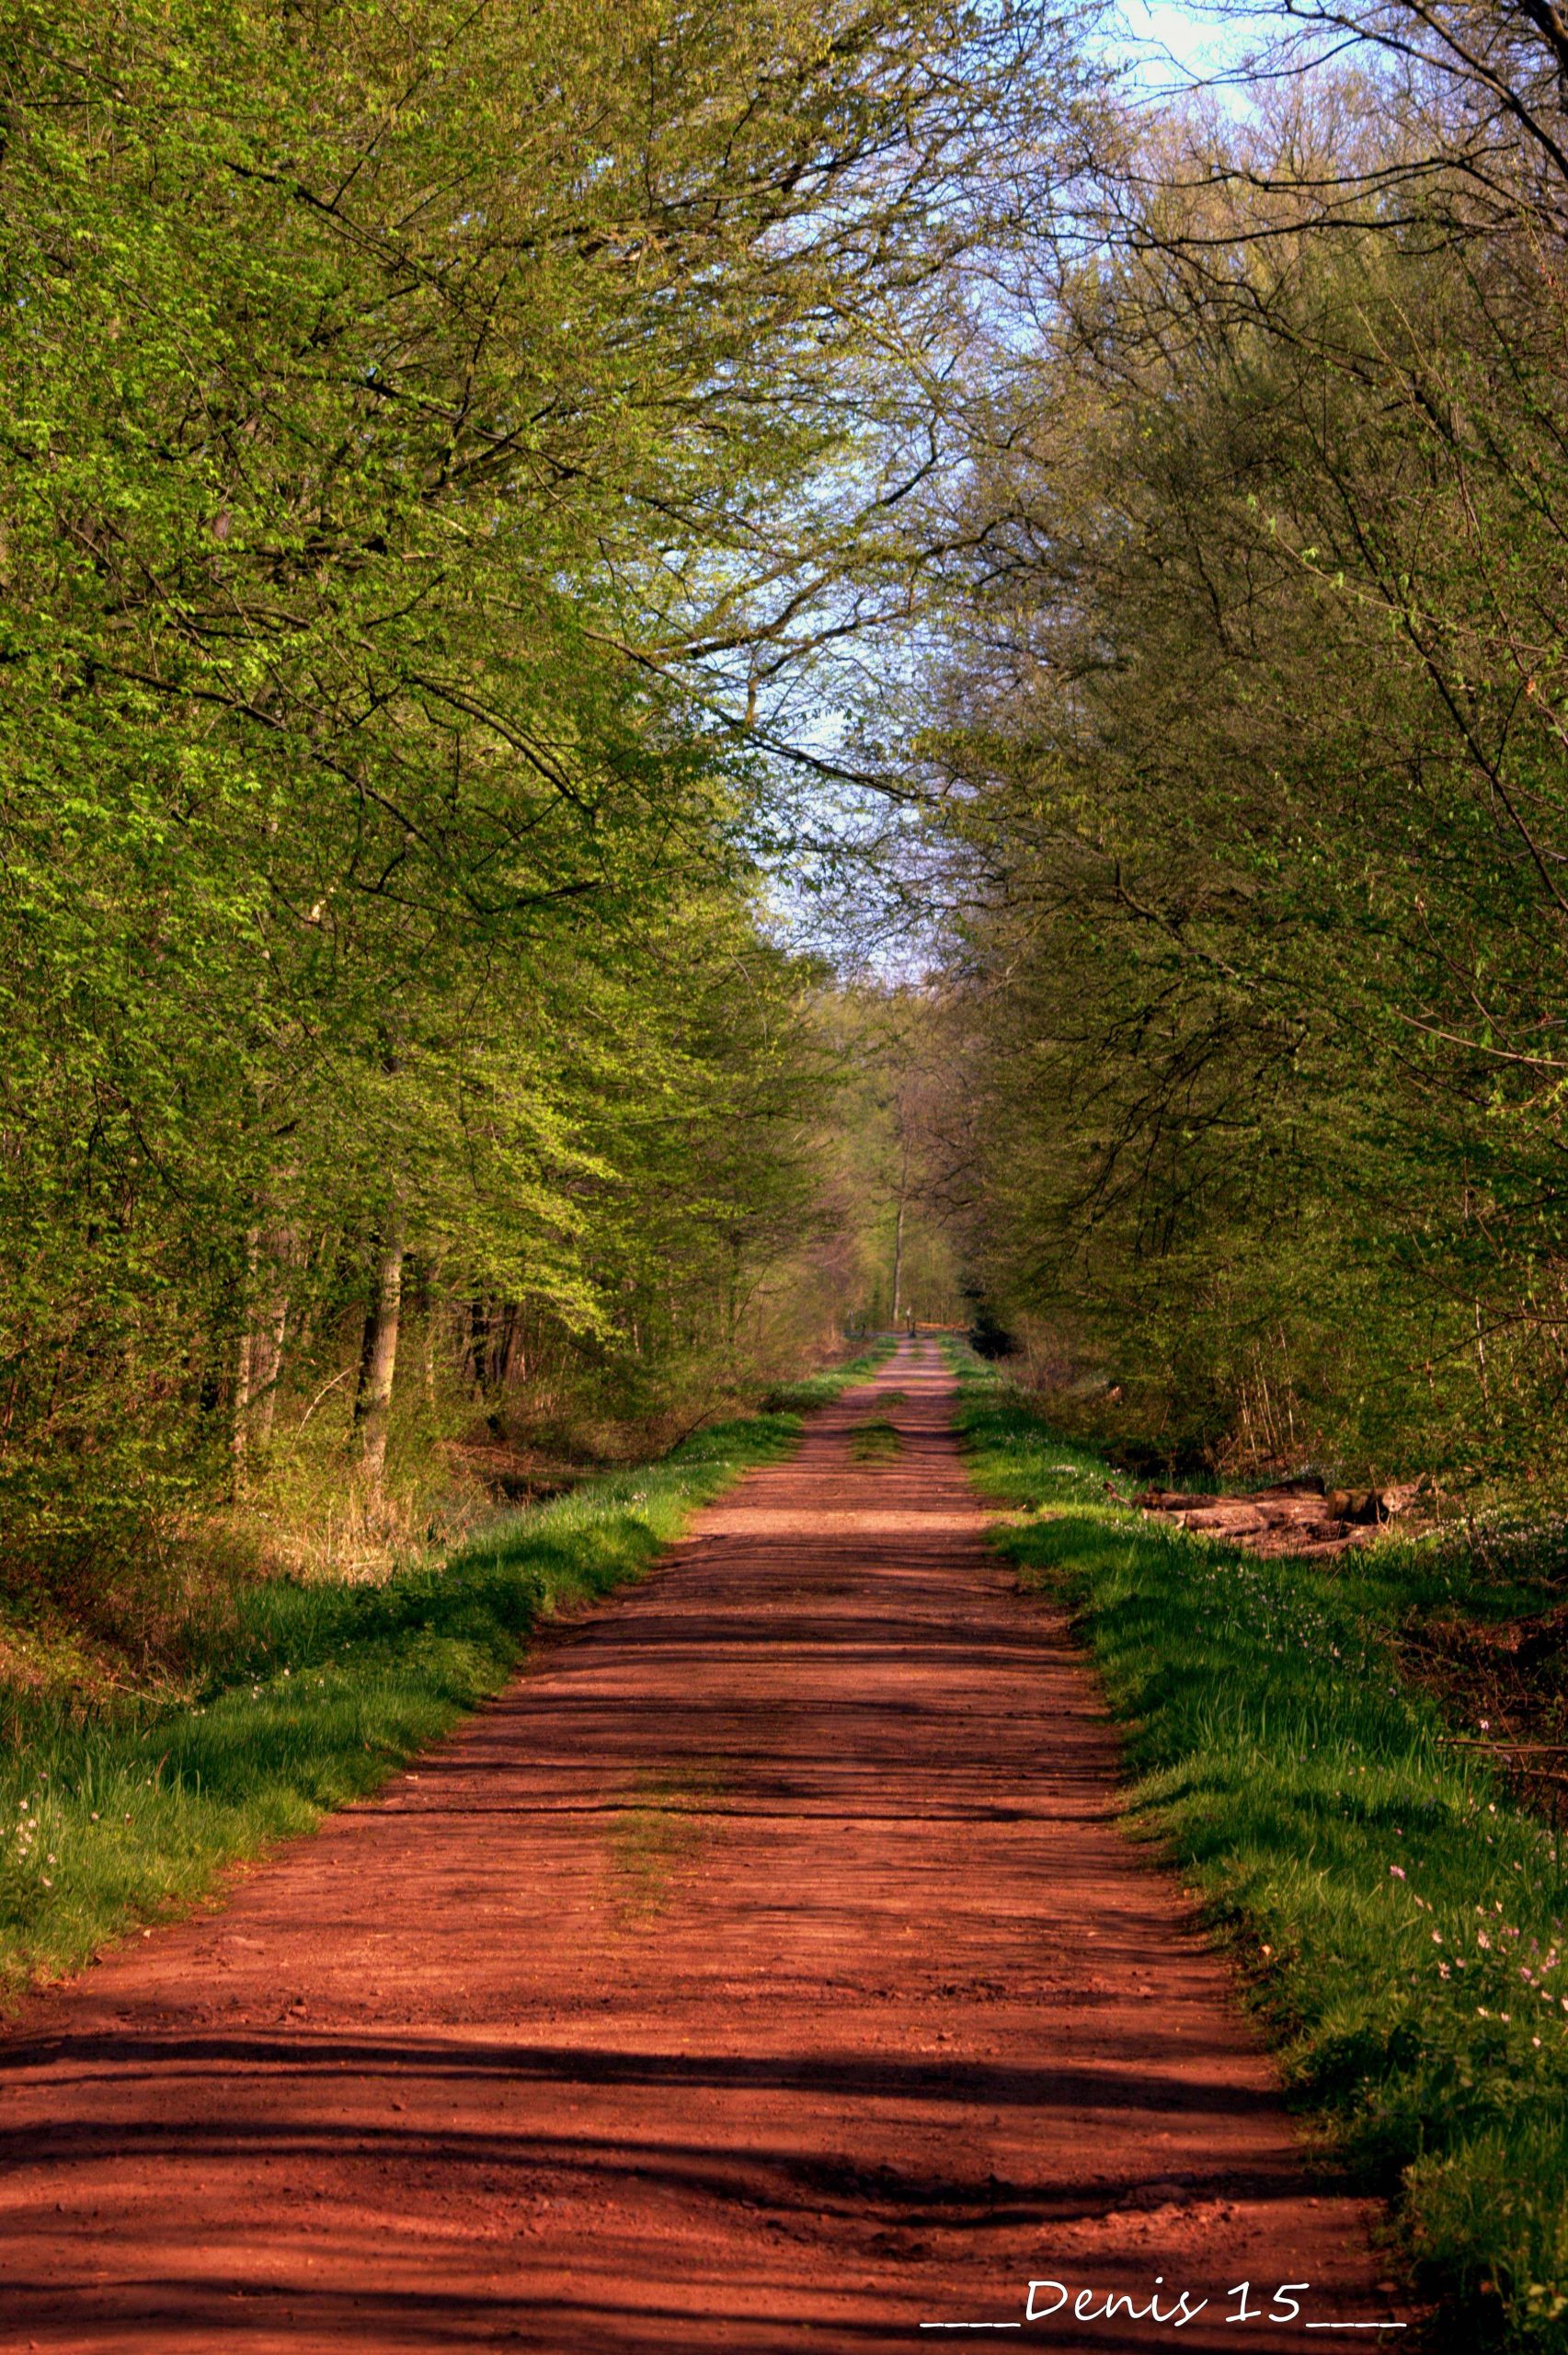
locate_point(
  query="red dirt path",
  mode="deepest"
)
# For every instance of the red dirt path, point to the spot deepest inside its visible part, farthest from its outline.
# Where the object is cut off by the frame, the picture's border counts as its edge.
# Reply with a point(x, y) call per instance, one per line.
point(766, 1969)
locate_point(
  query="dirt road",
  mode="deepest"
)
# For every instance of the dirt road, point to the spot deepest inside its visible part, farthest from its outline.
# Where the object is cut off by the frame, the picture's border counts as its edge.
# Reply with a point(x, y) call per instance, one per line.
point(764, 1970)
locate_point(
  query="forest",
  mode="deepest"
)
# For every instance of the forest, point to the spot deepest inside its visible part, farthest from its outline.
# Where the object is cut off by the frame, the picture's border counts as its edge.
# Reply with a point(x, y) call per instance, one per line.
point(1252, 736)
point(637, 655)
point(818, 742)
point(436, 441)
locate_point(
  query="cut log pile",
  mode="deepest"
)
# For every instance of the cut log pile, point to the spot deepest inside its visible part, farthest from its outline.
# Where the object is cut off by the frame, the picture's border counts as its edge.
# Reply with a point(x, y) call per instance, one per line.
point(1294, 1517)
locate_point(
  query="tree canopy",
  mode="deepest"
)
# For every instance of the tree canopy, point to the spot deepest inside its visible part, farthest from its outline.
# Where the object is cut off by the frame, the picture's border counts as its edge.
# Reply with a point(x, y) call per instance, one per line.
point(431, 434)
point(1252, 735)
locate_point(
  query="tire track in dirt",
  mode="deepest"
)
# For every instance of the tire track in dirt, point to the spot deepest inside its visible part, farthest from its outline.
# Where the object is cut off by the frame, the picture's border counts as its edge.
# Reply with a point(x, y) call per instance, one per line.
point(765, 1969)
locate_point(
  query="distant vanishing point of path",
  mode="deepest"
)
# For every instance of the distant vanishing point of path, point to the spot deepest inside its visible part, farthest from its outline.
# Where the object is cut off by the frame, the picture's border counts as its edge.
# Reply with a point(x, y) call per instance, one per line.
point(766, 1969)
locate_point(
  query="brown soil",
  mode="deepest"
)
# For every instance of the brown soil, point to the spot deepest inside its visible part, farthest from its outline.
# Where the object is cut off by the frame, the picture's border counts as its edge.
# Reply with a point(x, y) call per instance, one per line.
point(766, 1969)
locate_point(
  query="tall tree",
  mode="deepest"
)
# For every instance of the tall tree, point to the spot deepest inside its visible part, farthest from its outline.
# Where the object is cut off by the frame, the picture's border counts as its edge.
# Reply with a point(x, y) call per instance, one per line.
point(1257, 738)
point(428, 438)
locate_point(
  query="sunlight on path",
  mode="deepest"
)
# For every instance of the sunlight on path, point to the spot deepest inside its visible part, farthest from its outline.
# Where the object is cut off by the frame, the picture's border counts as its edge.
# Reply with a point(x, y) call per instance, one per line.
point(765, 1969)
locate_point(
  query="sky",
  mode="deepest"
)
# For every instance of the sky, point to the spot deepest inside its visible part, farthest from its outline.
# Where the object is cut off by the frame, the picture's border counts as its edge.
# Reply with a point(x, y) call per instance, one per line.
point(1172, 45)
point(1189, 35)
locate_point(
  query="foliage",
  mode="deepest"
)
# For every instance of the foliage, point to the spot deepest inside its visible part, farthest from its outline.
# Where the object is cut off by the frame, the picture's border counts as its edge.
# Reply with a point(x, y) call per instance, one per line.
point(430, 438)
point(1252, 742)
point(891, 1157)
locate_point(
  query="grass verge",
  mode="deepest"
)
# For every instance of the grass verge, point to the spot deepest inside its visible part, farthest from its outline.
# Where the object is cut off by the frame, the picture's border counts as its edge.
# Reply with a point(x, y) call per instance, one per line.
point(876, 1441)
point(128, 1814)
point(1399, 1920)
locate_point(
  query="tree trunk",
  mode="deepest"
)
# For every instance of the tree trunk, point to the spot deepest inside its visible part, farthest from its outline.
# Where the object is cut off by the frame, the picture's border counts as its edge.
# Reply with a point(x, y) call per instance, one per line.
point(266, 1367)
point(239, 1430)
point(244, 1376)
point(268, 1333)
point(898, 1258)
point(478, 1351)
point(504, 1344)
point(378, 1357)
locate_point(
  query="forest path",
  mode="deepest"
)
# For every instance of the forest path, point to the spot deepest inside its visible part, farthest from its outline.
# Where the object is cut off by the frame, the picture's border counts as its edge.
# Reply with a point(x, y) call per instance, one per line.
point(765, 1969)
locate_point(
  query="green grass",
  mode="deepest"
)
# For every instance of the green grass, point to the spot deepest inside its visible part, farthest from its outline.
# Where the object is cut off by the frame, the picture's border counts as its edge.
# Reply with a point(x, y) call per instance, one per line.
point(876, 1441)
point(819, 1389)
point(1399, 1922)
point(661, 1832)
point(115, 1818)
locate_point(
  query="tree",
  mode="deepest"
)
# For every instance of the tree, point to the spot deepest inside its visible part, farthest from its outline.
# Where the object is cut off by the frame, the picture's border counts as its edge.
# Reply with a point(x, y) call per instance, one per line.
point(1255, 753)
point(430, 438)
